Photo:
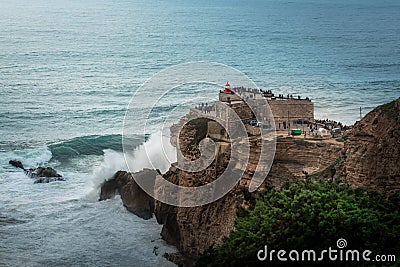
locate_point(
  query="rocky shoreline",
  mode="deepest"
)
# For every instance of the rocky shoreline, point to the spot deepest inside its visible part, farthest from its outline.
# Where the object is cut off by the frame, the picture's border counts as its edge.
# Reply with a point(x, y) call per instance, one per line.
point(369, 157)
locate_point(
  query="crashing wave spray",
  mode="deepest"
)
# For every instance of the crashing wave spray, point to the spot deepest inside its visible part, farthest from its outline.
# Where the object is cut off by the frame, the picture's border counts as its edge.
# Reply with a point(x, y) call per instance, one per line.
point(155, 153)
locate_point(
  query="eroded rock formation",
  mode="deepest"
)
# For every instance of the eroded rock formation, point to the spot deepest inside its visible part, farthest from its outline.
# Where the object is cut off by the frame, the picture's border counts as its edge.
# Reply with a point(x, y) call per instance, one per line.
point(133, 197)
point(40, 174)
point(193, 230)
point(371, 158)
point(371, 155)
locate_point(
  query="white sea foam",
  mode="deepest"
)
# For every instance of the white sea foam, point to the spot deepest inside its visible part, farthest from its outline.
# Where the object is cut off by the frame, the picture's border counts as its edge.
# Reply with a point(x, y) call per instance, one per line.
point(30, 158)
point(113, 161)
point(156, 153)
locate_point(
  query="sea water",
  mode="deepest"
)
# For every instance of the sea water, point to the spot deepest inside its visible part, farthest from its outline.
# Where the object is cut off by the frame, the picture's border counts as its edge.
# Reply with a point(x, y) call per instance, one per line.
point(68, 70)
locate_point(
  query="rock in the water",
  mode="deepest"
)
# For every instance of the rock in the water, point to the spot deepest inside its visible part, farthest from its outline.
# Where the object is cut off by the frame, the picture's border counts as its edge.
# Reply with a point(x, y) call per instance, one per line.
point(112, 187)
point(43, 172)
point(134, 198)
point(40, 174)
point(44, 175)
point(17, 164)
point(43, 180)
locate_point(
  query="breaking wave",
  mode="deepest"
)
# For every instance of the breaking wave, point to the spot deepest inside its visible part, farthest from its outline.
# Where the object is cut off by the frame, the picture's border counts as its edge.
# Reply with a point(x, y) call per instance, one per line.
point(88, 145)
point(155, 153)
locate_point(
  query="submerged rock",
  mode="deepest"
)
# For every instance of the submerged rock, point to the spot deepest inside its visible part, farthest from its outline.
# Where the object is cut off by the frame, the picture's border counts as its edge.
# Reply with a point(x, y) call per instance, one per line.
point(4, 220)
point(40, 174)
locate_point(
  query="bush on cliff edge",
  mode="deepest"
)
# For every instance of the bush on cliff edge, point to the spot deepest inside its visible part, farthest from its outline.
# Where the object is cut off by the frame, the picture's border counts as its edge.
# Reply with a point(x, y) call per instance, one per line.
point(311, 215)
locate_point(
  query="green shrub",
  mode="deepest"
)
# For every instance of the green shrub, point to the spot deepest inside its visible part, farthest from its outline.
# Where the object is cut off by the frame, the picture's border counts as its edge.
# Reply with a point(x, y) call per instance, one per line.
point(311, 215)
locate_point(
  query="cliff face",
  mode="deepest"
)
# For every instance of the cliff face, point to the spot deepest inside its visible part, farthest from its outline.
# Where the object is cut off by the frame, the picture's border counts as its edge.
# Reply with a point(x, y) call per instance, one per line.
point(194, 230)
point(133, 197)
point(371, 158)
point(371, 155)
point(300, 156)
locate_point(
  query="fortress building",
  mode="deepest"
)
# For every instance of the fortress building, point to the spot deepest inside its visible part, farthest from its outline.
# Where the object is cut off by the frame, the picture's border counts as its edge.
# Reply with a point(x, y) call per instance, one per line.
point(285, 109)
point(292, 109)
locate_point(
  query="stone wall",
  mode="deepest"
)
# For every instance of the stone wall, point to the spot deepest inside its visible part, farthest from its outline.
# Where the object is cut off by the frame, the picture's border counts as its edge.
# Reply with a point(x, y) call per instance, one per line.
point(216, 131)
point(229, 97)
point(298, 109)
point(280, 108)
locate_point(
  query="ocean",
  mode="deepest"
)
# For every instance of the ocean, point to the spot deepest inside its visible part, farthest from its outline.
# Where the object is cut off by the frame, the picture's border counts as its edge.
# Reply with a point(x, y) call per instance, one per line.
point(69, 69)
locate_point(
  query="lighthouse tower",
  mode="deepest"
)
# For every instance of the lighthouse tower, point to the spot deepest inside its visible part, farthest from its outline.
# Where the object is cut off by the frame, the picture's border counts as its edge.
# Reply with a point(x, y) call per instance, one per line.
point(228, 95)
point(227, 89)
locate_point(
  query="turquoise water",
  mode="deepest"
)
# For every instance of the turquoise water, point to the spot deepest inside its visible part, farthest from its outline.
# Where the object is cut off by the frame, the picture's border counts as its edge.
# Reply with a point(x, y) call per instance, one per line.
point(68, 70)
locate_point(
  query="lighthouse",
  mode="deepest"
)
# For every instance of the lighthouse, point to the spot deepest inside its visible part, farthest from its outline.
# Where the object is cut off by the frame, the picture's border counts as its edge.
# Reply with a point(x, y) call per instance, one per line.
point(228, 95)
point(227, 88)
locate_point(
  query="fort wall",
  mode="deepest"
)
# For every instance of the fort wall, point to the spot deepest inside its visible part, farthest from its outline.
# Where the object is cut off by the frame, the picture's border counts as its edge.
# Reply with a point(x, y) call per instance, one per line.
point(292, 109)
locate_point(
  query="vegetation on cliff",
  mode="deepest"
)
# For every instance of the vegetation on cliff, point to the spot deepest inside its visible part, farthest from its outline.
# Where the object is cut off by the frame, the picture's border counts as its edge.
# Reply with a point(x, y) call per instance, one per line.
point(311, 215)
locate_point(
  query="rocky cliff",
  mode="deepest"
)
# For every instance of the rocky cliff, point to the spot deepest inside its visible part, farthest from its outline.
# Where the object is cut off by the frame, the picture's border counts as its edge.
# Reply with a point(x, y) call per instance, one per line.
point(371, 155)
point(193, 230)
point(371, 158)
point(133, 197)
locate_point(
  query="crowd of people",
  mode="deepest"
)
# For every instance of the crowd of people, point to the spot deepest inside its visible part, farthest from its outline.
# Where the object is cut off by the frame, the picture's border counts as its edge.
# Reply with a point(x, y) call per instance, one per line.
point(242, 89)
point(283, 125)
point(267, 93)
point(312, 128)
point(330, 124)
point(205, 107)
point(289, 96)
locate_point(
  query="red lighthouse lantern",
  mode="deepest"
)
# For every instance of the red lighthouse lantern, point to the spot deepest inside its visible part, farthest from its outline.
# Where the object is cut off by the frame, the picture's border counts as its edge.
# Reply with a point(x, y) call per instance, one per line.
point(227, 89)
